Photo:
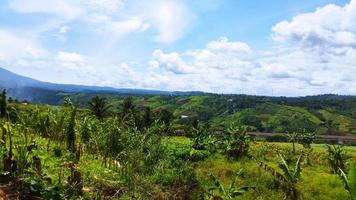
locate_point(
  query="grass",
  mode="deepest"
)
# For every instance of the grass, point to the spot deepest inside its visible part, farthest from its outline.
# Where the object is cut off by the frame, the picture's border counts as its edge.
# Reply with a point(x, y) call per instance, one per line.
point(317, 181)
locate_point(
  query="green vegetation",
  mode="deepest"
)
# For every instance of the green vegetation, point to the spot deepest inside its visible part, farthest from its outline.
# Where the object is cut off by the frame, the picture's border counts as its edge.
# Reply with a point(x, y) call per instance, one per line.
point(326, 114)
point(142, 148)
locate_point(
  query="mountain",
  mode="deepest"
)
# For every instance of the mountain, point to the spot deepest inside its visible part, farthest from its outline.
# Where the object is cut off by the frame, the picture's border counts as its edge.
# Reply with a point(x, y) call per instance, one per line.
point(24, 88)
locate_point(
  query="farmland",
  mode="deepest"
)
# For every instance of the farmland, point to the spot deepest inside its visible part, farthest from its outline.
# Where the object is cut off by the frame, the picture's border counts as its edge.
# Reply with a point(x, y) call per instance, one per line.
point(132, 149)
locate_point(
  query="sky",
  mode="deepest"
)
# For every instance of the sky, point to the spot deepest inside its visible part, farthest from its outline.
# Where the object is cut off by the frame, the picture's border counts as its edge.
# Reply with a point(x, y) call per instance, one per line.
point(258, 47)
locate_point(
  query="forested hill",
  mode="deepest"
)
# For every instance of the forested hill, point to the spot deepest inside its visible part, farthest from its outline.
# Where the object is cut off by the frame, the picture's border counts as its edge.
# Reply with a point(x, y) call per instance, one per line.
point(325, 114)
point(332, 114)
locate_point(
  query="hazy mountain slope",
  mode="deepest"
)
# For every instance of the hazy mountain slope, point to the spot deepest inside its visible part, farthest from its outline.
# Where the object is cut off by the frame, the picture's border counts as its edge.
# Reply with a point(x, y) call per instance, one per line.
point(21, 87)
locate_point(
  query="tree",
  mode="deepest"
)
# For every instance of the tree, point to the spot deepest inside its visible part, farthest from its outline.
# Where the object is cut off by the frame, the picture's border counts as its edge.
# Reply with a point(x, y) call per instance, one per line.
point(306, 138)
point(3, 104)
point(128, 114)
point(226, 193)
point(200, 137)
point(237, 142)
point(85, 131)
point(165, 116)
point(71, 137)
point(293, 137)
point(128, 107)
point(147, 117)
point(67, 102)
point(99, 107)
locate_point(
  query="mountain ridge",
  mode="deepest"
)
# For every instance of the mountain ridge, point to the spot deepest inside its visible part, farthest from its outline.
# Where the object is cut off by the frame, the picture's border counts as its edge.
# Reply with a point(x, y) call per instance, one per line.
point(17, 85)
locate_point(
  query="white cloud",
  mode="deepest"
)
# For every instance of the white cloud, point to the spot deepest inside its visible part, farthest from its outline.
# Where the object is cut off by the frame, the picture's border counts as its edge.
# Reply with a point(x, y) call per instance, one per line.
point(314, 52)
point(329, 26)
point(121, 28)
point(221, 54)
point(318, 49)
point(222, 65)
point(62, 8)
point(172, 62)
point(14, 45)
point(169, 19)
point(70, 60)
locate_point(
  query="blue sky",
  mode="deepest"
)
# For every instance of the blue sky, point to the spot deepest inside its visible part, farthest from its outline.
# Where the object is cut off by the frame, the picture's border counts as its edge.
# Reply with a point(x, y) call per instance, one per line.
point(279, 47)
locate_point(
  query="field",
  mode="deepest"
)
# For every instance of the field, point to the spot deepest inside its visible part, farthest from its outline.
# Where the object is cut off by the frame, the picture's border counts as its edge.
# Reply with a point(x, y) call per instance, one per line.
point(97, 152)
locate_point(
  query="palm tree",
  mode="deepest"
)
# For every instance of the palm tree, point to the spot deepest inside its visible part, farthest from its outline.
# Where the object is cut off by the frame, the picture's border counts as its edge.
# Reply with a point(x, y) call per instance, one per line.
point(147, 118)
point(226, 193)
point(99, 107)
point(128, 107)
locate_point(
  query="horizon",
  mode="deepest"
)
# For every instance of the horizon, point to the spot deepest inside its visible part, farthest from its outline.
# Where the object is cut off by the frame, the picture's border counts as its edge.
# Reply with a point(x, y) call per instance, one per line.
point(111, 89)
point(286, 48)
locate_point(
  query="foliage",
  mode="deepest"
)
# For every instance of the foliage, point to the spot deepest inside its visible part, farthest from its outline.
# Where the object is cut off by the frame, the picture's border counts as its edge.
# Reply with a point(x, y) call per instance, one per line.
point(99, 107)
point(306, 138)
point(139, 160)
point(288, 178)
point(237, 143)
point(226, 193)
point(201, 137)
point(293, 137)
point(337, 157)
point(349, 180)
point(3, 104)
point(70, 132)
point(292, 175)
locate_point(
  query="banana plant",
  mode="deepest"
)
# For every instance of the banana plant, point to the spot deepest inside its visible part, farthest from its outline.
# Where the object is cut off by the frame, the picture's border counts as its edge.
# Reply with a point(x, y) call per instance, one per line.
point(293, 137)
point(219, 192)
point(288, 178)
point(337, 158)
point(306, 138)
point(349, 181)
point(292, 175)
point(237, 143)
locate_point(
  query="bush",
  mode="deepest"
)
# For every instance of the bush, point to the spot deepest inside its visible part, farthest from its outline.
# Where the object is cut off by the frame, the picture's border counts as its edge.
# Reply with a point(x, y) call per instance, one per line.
point(58, 151)
point(197, 155)
point(181, 182)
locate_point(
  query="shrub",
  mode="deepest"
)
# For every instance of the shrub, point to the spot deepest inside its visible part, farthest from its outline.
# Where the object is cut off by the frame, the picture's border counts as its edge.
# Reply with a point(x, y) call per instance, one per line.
point(58, 151)
point(197, 155)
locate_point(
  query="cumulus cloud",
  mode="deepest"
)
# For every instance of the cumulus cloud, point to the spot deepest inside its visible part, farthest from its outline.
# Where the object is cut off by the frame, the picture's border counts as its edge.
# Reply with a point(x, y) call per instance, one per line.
point(329, 26)
point(222, 65)
point(219, 55)
point(318, 49)
point(171, 61)
point(313, 52)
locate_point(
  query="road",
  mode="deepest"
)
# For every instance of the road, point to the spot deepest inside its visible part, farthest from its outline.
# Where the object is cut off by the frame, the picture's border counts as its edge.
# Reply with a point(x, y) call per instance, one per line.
point(331, 138)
